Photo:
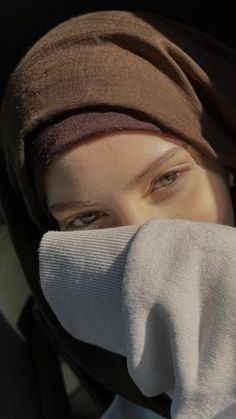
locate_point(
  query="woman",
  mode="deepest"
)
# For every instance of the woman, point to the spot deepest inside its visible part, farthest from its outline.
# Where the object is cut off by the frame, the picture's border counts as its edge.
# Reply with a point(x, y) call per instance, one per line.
point(85, 113)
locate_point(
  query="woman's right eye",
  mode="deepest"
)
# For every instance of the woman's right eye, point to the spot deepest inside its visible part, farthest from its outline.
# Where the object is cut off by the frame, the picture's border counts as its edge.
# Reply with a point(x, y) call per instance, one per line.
point(75, 222)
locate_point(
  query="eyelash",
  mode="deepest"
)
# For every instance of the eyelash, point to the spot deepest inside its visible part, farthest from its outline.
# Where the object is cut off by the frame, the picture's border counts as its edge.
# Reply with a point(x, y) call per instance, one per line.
point(158, 179)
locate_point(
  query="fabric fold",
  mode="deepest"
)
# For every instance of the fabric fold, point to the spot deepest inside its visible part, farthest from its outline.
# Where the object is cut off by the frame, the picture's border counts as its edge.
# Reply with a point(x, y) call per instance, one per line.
point(163, 295)
point(83, 287)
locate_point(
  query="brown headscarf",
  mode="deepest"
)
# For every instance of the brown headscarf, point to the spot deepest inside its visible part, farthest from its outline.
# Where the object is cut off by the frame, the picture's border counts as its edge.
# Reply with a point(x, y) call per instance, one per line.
point(141, 64)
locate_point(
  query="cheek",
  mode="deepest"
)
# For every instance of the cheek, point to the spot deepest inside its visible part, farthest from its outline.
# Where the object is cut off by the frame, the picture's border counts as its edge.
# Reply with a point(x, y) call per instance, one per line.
point(212, 200)
point(203, 197)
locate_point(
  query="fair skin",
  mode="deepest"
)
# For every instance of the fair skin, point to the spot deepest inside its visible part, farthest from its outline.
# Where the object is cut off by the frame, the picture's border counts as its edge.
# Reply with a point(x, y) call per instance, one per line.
point(102, 168)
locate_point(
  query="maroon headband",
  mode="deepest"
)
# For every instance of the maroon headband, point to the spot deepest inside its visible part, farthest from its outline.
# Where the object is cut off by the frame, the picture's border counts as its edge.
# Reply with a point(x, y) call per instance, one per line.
point(57, 137)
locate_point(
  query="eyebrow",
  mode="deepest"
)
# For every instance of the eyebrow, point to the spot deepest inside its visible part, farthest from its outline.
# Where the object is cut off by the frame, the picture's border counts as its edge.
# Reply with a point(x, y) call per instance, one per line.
point(159, 161)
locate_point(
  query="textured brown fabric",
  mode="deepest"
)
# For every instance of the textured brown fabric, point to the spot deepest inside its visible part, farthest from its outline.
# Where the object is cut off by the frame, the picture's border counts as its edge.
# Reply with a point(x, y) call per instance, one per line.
point(160, 71)
point(57, 137)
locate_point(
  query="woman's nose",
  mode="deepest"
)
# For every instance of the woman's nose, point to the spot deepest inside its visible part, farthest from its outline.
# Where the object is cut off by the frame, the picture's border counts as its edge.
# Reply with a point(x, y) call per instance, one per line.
point(133, 215)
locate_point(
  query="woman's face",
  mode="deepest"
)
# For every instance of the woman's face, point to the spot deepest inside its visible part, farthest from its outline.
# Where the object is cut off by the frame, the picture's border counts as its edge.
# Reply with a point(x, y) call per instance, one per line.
point(129, 177)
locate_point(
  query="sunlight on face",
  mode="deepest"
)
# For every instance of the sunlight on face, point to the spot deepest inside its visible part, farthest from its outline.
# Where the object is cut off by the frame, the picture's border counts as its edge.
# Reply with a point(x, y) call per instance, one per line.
point(129, 177)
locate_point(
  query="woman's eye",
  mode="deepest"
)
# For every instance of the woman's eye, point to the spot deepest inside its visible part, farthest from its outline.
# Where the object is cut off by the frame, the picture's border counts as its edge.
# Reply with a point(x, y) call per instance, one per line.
point(80, 221)
point(167, 178)
point(84, 221)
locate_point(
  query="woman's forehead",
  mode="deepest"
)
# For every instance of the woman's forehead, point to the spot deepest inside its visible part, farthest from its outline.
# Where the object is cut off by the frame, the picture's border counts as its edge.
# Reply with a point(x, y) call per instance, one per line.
point(116, 151)
point(125, 142)
point(126, 151)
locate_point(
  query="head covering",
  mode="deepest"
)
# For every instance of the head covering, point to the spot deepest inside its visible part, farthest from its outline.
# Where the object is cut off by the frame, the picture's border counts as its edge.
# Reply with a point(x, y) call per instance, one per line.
point(159, 71)
point(141, 64)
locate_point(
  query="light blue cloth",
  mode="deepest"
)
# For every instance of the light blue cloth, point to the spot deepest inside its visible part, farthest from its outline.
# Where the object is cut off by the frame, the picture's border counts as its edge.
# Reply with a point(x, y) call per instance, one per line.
point(124, 409)
point(162, 294)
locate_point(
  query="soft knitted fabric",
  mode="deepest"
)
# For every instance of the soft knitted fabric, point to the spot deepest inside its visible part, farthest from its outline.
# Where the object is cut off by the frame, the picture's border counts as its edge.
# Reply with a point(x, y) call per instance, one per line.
point(121, 408)
point(163, 295)
point(58, 136)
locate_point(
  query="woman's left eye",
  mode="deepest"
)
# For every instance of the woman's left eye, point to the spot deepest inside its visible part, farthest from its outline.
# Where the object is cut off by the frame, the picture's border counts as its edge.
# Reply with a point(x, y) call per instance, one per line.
point(165, 179)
